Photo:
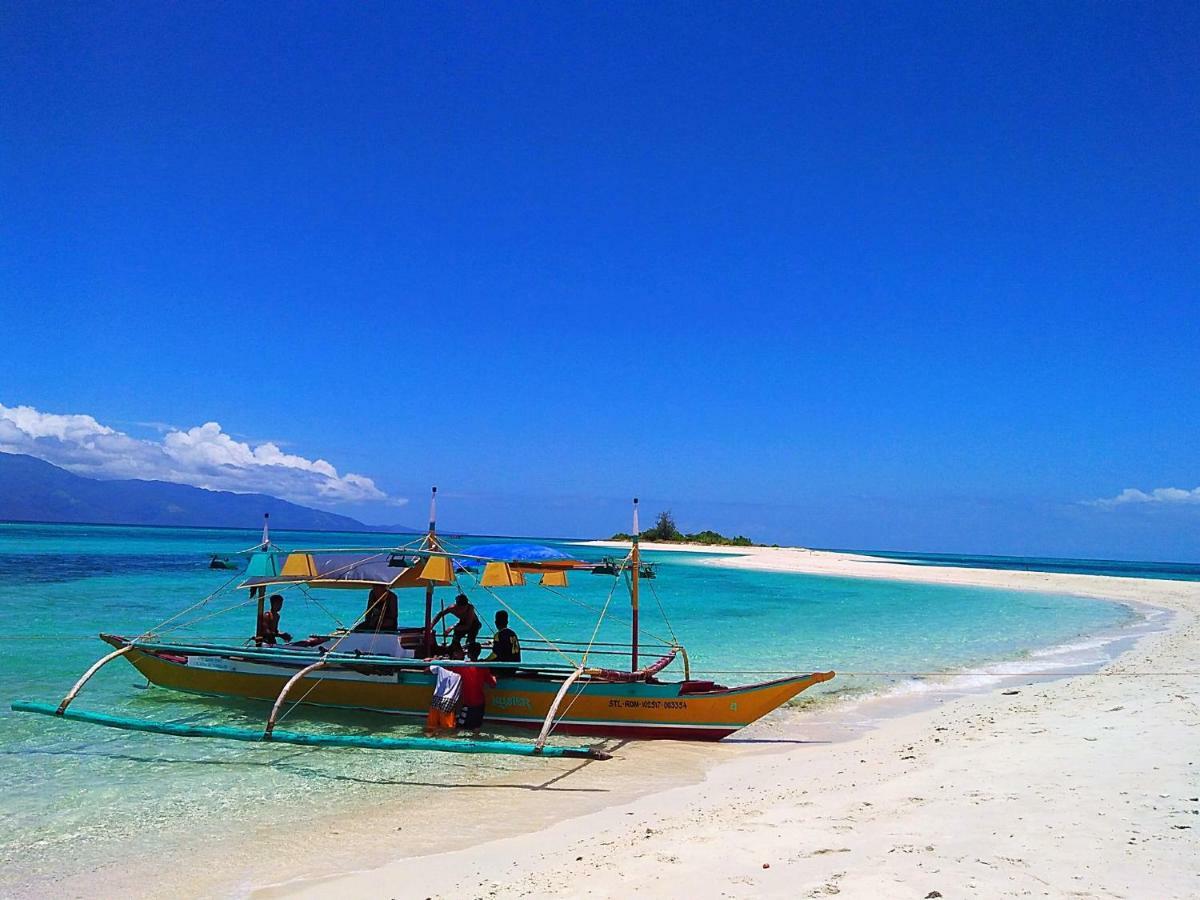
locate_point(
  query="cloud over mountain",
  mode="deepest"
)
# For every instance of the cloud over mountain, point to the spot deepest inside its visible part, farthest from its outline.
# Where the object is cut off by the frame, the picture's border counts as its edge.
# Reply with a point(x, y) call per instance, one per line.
point(202, 456)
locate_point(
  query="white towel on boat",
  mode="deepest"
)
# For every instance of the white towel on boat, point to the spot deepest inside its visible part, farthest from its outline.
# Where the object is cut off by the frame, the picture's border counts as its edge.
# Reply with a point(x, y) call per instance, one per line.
point(447, 688)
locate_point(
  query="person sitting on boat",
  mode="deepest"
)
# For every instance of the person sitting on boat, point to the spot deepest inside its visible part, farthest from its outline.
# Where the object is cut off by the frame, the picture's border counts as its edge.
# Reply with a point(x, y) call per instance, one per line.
point(474, 680)
point(505, 645)
point(382, 613)
point(268, 624)
point(447, 689)
point(468, 623)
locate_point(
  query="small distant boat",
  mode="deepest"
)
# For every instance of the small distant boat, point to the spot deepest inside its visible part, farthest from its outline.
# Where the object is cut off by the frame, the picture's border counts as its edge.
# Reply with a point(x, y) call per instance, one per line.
point(222, 562)
point(570, 687)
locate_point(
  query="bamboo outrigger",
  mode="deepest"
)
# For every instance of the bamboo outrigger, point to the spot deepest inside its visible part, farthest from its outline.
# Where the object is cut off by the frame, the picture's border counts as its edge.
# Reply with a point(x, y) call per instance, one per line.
point(387, 670)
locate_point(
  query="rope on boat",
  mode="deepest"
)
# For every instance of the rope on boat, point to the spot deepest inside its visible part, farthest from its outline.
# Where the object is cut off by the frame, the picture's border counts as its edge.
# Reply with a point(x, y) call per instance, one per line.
point(278, 588)
point(479, 584)
point(308, 596)
point(524, 621)
point(565, 596)
point(196, 605)
point(663, 610)
point(600, 620)
point(211, 615)
point(551, 724)
point(315, 682)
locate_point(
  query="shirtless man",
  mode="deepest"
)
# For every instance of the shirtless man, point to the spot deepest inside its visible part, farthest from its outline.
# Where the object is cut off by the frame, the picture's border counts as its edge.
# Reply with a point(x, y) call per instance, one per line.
point(468, 623)
point(268, 625)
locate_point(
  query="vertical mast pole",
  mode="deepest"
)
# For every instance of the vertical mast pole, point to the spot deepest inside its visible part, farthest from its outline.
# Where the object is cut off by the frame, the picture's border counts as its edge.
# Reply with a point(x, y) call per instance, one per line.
point(635, 560)
point(430, 544)
point(262, 590)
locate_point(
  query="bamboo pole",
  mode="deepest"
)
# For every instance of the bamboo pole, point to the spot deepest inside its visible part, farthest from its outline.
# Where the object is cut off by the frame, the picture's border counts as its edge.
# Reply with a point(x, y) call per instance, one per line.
point(540, 743)
point(96, 666)
point(320, 663)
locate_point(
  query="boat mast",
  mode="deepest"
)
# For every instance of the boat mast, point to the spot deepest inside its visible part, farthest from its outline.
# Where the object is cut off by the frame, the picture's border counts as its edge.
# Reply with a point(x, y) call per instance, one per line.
point(430, 544)
point(261, 591)
point(635, 560)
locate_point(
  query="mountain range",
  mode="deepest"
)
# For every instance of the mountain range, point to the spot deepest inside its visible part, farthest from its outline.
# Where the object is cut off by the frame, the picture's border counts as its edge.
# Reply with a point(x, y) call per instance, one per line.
point(33, 490)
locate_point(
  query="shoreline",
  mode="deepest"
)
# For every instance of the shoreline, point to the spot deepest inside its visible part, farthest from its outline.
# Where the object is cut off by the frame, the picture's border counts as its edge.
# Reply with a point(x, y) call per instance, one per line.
point(504, 865)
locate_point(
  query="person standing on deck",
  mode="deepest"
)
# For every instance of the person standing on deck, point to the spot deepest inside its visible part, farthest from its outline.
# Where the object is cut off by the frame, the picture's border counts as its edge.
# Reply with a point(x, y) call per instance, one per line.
point(447, 689)
point(505, 645)
point(468, 623)
point(474, 680)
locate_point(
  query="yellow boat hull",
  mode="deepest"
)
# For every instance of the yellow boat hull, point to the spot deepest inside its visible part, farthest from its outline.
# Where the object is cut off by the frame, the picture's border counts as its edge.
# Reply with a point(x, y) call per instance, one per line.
point(678, 710)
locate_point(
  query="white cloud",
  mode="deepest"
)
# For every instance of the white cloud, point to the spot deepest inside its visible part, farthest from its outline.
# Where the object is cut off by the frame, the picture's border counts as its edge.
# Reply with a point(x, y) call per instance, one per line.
point(1158, 495)
point(204, 456)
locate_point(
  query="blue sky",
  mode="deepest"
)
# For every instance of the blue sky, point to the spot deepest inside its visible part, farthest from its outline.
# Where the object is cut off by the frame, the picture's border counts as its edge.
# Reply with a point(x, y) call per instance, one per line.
point(848, 275)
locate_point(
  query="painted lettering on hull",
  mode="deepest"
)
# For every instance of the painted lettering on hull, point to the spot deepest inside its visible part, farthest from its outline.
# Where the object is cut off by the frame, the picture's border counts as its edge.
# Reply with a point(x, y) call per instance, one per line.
point(627, 703)
point(499, 702)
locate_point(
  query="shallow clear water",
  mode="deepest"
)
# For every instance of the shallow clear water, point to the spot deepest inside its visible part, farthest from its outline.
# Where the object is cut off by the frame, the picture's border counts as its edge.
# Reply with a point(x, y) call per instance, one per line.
point(1173, 571)
point(73, 795)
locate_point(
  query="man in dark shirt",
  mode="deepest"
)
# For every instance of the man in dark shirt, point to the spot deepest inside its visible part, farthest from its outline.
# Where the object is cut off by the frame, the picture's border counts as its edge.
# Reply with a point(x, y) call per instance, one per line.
point(381, 611)
point(505, 645)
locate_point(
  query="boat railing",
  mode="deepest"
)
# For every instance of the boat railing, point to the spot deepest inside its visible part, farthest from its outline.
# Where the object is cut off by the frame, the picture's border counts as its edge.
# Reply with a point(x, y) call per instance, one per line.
point(284, 654)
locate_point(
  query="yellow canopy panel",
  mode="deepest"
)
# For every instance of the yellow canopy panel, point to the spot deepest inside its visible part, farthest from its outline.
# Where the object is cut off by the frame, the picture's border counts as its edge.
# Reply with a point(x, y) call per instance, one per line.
point(554, 579)
point(298, 565)
point(501, 574)
point(437, 569)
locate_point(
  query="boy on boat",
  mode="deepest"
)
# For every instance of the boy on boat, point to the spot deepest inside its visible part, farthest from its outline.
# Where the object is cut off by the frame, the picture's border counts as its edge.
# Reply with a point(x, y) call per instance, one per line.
point(474, 680)
point(268, 624)
point(506, 647)
point(447, 688)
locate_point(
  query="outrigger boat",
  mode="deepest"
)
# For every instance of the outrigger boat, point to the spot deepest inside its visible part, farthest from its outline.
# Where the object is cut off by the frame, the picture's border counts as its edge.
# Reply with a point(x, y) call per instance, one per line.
point(556, 686)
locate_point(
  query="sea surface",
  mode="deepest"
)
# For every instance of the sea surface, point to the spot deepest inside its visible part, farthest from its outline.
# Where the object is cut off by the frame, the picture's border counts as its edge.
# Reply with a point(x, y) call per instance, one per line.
point(1172, 571)
point(75, 796)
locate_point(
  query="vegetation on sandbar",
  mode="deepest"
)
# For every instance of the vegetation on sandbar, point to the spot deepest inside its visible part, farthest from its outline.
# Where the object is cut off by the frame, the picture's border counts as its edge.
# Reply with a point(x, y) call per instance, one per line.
point(665, 531)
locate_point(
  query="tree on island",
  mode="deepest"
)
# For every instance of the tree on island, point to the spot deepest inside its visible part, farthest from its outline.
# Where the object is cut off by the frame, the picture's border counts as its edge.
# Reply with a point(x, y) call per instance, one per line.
point(666, 531)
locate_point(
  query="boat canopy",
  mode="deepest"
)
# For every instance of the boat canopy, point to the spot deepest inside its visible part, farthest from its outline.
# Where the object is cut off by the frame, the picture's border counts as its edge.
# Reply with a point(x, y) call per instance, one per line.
point(332, 570)
point(504, 565)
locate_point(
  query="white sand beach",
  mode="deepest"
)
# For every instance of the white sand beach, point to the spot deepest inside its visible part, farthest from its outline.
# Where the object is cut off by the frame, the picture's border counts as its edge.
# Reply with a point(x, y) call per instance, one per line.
point(1087, 786)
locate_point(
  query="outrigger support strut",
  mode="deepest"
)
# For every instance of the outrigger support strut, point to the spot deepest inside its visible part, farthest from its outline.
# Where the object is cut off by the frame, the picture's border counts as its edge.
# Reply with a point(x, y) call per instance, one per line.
point(540, 743)
point(96, 666)
point(283, 694)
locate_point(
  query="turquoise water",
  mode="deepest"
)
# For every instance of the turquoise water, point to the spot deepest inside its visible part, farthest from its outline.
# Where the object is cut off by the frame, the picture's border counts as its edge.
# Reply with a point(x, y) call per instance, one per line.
point(1172, 571)
point(73, 795)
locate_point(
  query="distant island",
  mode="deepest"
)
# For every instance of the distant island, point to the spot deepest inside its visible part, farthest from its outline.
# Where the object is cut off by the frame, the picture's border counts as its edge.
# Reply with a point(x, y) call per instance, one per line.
point(665, 531)
point(32, 490)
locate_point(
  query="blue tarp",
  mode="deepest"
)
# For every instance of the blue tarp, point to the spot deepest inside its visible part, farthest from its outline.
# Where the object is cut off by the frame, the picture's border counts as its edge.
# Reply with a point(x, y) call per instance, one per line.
point(516, 552)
